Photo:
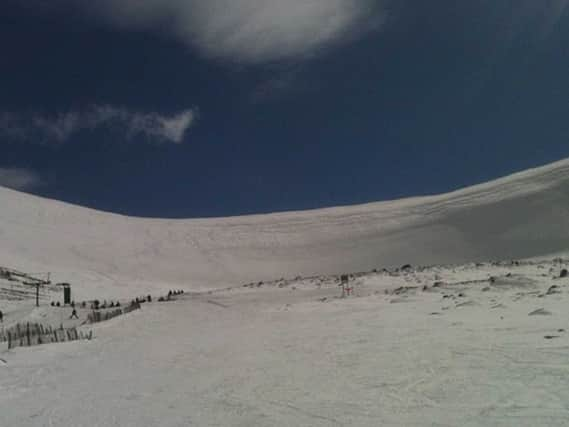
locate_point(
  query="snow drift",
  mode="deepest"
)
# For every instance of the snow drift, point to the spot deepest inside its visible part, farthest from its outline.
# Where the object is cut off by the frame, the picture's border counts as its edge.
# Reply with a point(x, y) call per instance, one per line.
point(524, 215)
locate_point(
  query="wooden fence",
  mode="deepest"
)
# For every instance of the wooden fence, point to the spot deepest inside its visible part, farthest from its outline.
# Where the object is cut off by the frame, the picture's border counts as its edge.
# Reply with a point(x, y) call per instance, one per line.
point(100, 316)
point(30, 334)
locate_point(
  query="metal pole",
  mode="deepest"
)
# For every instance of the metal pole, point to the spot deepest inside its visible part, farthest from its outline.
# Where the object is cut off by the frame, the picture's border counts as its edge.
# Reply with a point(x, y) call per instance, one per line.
point(37, 294)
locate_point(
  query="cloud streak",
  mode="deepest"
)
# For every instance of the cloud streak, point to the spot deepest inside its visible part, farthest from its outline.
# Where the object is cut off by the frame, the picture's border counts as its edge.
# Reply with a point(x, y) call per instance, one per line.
point(247, 31)
point(19, 179)
point(61, 127)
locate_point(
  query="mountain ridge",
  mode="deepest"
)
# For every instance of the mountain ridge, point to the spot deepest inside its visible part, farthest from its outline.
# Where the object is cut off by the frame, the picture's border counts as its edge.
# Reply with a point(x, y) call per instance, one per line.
point(519, 216)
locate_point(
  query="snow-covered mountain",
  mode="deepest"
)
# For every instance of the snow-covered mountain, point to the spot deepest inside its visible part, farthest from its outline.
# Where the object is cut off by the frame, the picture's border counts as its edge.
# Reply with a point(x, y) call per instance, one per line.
point(476, 344)
point(523, 215)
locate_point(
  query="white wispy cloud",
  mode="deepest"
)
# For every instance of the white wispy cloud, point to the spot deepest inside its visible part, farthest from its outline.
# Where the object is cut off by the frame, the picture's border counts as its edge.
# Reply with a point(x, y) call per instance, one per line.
point(247, 31)
point(19, 179)
point(61, 127)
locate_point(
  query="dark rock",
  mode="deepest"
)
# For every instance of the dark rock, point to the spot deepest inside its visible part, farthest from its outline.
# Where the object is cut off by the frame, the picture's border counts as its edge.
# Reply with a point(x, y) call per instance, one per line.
point(540, 312)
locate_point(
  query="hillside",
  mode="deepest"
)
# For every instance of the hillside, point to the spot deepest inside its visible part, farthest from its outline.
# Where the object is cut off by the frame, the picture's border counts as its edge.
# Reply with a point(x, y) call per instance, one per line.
point(524, 215)
point(475, 345)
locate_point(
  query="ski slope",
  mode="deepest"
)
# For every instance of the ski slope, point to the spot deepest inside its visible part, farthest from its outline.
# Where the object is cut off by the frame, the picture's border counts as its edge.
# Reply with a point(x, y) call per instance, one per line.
point(402, 351)
point(470, 344)
point(524, 215)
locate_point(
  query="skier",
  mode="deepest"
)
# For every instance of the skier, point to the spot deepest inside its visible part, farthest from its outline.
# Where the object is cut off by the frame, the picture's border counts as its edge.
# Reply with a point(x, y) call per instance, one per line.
point(74, 314)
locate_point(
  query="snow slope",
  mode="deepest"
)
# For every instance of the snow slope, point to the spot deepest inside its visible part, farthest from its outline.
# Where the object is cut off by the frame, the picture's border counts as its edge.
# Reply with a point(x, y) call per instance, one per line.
point(467, 352)
point(524, 215)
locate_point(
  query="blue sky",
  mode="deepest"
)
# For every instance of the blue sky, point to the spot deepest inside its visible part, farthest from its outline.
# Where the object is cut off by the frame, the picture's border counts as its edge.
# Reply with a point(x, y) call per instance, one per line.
point(187, 108)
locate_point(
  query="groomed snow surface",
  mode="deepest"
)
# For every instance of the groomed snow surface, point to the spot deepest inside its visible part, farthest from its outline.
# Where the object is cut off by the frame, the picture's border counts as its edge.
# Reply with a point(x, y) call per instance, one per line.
point(456, 344)
point(463, 352)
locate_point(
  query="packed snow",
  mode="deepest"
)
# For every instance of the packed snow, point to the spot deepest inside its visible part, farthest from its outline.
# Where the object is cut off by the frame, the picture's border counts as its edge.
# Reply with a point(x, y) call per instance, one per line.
point(436, 346)
point(474, 331)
